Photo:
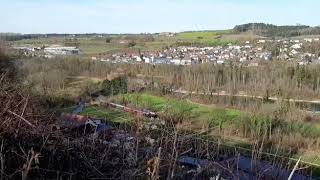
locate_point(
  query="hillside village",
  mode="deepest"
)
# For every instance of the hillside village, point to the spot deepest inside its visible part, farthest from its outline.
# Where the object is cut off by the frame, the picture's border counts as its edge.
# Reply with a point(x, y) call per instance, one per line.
point(250, 53)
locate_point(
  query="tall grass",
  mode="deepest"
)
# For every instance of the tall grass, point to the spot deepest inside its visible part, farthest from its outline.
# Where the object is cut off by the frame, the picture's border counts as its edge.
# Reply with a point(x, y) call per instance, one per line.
point(268, 128)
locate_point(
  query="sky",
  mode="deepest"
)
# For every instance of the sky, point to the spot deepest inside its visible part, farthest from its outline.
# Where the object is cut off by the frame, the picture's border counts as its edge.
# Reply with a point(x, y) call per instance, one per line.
point(149, 16)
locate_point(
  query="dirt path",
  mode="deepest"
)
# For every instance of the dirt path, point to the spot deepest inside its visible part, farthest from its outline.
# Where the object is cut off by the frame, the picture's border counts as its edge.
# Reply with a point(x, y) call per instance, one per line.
point(222, 93)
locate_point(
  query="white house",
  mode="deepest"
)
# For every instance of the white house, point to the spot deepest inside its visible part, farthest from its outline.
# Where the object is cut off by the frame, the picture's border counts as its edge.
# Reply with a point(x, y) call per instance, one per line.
point(147, 60)
point(137, 58)
point(220, 62)
point(294, 52)
point(296, 46)
point(243, 59)
point(176, 61)
point(308, 40)
point(301, 63)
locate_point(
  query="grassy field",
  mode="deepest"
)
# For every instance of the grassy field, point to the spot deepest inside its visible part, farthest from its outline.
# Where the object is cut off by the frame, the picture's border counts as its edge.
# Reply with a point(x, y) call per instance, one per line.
point(110, 115)
point(246, 125)
point(198, 35)
point(107, 114)
point(216, 116)
point(203, 34)
point(183, 109)
point(218, 120)
point(207, 38)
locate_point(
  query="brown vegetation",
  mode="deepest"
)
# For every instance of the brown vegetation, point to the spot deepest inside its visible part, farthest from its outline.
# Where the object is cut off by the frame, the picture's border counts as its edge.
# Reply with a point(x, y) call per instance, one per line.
point(36, 146)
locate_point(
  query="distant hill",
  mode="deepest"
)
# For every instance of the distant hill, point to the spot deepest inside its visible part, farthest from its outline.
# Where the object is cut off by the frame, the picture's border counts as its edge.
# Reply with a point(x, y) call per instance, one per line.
point(270, 30)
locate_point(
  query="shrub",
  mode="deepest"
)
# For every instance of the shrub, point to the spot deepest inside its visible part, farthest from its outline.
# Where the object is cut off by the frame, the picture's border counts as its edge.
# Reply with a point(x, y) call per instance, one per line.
point(7, 65)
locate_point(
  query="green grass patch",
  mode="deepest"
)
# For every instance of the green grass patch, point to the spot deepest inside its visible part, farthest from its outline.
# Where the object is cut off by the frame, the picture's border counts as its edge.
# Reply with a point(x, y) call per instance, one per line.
point(107, 114)
point(198, 35)
point(182, 109)
point(111, 115)
point(204, 38)
point(247, 123)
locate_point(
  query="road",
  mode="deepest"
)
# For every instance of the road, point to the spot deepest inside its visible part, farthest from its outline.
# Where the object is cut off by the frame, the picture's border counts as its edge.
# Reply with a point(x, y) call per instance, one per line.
point(223, 93)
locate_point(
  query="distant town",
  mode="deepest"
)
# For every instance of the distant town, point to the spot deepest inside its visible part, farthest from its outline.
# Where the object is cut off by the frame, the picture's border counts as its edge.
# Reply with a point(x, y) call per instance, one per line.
point(250, 53)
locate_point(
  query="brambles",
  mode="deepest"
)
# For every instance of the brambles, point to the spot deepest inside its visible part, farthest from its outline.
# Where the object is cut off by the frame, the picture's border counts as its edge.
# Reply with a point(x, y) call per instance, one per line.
point(51, 151)
point(7, 64)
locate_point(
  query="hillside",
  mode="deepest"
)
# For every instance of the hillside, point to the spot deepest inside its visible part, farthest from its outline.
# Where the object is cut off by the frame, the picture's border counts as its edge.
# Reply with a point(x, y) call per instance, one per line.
point(270, 30)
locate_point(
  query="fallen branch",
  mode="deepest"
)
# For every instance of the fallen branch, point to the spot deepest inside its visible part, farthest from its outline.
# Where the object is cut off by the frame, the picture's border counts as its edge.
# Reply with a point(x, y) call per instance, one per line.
point(294, 169)
point(22, 118)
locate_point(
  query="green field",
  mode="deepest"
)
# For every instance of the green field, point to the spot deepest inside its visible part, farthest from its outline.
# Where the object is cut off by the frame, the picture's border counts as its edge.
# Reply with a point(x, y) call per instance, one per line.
point(198, 35)
point(187, 110)
point(110, 115)
point(243, 123)
point(107, 114)
point(207, 38)
point(215, 116)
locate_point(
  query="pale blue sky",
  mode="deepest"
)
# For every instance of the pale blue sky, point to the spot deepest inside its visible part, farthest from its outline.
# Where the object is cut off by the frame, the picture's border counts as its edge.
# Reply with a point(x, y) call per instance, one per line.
point(139, 16)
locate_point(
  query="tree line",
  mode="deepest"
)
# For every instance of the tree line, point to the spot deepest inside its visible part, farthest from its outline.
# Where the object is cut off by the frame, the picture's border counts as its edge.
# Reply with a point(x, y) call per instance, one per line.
point(280, 79)
point(270, 30)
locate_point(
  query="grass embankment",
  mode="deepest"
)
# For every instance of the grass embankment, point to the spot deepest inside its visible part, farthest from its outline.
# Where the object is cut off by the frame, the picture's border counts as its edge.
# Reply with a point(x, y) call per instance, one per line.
point(245, 126)
point(182, 109)
point(215, 116)
point(242, 127)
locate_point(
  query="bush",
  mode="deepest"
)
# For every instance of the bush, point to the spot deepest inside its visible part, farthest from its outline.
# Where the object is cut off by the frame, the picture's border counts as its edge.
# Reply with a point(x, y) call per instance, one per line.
point(116, 86)
point(132, 43)
point(108, 40)
point(7, 65)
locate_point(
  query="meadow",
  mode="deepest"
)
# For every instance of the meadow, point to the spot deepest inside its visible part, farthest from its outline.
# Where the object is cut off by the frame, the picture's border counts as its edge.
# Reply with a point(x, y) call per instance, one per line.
point(234, 126)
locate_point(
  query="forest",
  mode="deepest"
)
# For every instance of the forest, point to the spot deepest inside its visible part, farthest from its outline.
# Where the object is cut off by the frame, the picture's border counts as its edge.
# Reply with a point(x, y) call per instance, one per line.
point(269, 30)
point(275, 79)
